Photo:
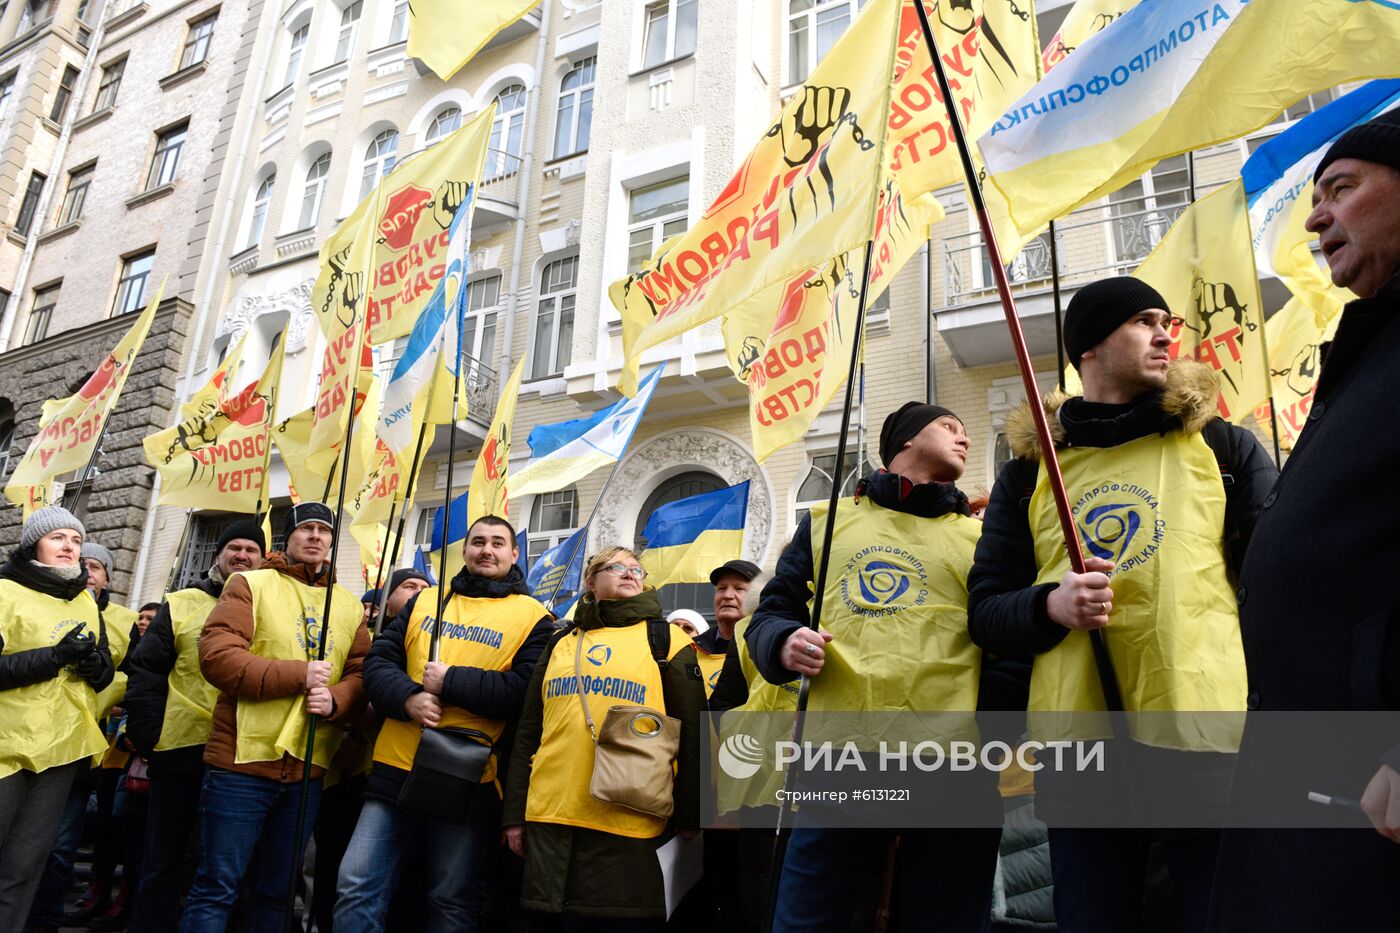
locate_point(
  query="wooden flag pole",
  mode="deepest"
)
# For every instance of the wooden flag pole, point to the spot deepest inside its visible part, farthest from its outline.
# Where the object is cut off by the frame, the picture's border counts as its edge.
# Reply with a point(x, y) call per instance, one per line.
point(1113, 696)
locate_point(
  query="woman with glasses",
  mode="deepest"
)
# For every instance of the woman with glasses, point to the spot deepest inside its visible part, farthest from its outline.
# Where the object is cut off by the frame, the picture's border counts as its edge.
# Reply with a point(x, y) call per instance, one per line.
point(592, 862)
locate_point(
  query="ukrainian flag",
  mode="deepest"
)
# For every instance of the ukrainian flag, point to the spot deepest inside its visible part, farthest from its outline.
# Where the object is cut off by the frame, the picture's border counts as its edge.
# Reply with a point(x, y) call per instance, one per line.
point(455, 532)
point(558, 574)
point(689, 538)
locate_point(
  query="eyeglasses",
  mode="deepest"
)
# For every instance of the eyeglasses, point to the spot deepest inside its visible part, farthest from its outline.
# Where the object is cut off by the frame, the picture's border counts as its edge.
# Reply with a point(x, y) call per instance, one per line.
point(622, 570)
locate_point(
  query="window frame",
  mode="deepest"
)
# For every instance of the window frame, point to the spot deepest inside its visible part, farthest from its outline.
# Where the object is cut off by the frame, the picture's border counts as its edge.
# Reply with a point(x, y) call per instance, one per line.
point(809, 20)
point(820, 466)
point(507, 124)
point(481, 318)
point(63, 97)
point(668, 52)
point(127, 276)
point(261, 206)
point(7, 91)
point(398, 22)
point(348, 33)
point(429, 139)
point(296, 53)
point(75, 198)
point(554, 293)
point(321, 183)
point(656, 225)
point(156, 174)
point(41, 313)
point(542, 538)
point(575, 97)
point(110, 85)
point(29, 203)
point(198, 41)
point(383, 162)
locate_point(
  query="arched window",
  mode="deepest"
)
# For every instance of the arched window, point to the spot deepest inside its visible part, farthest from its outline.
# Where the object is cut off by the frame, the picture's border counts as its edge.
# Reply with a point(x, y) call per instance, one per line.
point(261, 200)
point(379, 160)
point(697, 596)
point(816, 485)
point(294, 53)
point(575, 117)
point(314, 191)
point(445, 122)
point(507, 133)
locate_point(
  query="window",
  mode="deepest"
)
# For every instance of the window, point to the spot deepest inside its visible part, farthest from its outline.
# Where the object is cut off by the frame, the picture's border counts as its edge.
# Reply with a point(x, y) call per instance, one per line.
point(110, 84)
point(553, 517)
point(203, 543)
point(656, 213)
point(697, 596)
point(507, 133)
point(575, 116)
point(444, 123)
point(669, 31)
point(131, 287)
point(64, 96)
point(398, 27)
point(73, 198)
point(1143, 210)
point(379, 160)
point(816, 485)
point(314, 191)
point(813, 28)
point(261, 200)
point(166, 160)
point(29, 206)
point(479, 335)
point(45, 299)
point(35, 12)
point(7, 90)
point(554, 318)
point(349, 27)
point(197, 42)
point(7, 441)
point(294, 53)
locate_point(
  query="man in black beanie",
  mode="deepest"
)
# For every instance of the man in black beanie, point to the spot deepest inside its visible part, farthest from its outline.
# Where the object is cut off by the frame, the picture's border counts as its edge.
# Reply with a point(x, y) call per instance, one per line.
point(1164, 496)
point(169, 706)
point(1320, 621)
point(900, 547)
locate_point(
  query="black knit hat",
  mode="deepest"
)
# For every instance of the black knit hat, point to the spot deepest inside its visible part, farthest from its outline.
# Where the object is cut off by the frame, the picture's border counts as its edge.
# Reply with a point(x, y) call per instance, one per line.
point(1377, 140)
point(401, 576)
point(304, 512)
point(901, 425)
point(245, 529)
point(1100, 308)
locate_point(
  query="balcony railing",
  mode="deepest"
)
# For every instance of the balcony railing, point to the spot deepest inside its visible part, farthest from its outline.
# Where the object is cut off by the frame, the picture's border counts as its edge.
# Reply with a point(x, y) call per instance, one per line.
point(478, 379)
point(1094, 242)
point(500, 164)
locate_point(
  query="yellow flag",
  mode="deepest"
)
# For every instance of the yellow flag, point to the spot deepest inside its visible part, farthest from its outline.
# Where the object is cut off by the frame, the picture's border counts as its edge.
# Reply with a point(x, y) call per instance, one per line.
point(399, 234)
point(70, 428)
point(445, 34)
point(218, 459)
point(386, 482)
point(315, 474)
point(1296, 334)
point(373, 541)
point(1085, 18)
point(488, 494)
point(791, 342)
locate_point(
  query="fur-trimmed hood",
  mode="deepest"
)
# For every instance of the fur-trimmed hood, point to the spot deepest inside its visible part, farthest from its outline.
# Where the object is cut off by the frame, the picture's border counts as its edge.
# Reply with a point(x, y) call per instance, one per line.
point(1188, 402)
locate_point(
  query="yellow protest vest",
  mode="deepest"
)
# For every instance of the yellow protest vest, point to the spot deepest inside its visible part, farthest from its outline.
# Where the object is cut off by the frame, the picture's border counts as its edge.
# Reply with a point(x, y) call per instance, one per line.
point(50, 723)
point(189, 703)
point(119, 621)
point(896, 602)
point(618, 670)
point(287, 625)
point(763, 696)
point(754, 791)
point(710, 666)
point(1155, 506)
point(476, 632)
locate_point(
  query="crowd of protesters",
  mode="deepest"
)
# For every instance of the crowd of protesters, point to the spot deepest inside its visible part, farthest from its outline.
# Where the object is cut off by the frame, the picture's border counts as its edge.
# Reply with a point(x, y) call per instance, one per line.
point(247, 747)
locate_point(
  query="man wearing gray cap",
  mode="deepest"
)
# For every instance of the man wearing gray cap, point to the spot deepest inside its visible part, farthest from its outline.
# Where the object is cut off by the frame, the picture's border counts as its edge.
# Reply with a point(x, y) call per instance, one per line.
point(1319, 613)
point(260, 649)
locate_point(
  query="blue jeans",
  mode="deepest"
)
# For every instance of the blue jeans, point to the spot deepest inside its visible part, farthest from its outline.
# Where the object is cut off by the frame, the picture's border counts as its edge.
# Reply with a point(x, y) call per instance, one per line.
point(1100, 874)
point(945, 877)
point(245, 818)
point(457, 859)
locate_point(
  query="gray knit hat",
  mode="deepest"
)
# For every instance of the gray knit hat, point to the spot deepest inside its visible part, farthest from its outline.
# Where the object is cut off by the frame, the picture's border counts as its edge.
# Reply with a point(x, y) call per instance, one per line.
point(48, 519)
point(94, 550)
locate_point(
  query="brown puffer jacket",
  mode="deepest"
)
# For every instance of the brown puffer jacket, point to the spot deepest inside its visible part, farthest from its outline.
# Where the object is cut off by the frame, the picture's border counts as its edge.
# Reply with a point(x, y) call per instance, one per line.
point(227, 663)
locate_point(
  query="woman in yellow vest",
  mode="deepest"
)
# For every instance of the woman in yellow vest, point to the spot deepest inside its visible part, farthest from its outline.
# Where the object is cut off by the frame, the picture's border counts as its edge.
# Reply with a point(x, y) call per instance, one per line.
point(587, 860)
point(54, 659)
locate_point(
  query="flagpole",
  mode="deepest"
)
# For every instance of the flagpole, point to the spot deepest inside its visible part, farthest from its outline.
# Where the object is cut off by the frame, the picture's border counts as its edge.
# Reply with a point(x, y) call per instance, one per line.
point(1108, 678)
point(179, 549)
point(92, 461)
point(383, 557)
point(1059, 313)
point(582, 540)
point(435, 637)
point(271, 421)
point(783, 831)
point(393, 554)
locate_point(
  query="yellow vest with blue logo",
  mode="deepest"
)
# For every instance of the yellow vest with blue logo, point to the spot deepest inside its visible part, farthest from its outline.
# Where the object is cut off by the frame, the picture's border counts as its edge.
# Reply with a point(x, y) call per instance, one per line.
point(50, 723)
point(763, 696)
point(119, 621)
point(287, 625)
point(710, 666)
point(617, 670)
point(189, 703)
point(896, 604)
point(759, 789)
point(1155, 506)
point(478, 632)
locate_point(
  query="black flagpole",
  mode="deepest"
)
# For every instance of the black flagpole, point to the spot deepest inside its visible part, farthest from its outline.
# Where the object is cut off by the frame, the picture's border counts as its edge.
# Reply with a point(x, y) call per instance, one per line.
point(435, 638)
point(392, 555)
point(92, 461)
point(1059, 313)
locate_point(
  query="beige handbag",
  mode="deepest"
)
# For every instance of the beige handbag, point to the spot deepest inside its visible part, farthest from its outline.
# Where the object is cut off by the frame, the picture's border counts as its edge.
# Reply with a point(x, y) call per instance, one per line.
point(633, 755)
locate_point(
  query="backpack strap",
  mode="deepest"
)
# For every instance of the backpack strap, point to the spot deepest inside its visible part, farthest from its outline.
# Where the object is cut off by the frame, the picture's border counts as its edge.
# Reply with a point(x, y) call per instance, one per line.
point(659, 637)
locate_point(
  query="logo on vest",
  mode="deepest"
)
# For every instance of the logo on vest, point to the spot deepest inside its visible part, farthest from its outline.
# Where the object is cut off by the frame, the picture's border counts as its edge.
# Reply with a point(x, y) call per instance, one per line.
point(599, 655)
point(1120, 522)
point(309, 633)
point(61, 628)
point(456, 631)
point(714, 679)
point(885, 580)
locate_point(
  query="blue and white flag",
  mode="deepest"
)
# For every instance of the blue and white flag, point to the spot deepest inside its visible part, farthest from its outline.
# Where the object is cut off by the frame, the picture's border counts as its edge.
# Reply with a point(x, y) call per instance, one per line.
point(558, 574)
point(420, 387)
point(564, 453)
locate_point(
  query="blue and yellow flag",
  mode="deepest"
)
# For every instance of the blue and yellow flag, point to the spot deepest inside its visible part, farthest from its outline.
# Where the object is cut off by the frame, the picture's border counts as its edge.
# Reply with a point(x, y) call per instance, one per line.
point(689, 538)
point(558, 574)
point(449, 530)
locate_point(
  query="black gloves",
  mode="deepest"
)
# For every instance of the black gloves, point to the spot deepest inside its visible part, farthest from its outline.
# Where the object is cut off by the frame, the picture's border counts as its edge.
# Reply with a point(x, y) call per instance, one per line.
point(93, 668)
point(77, 645)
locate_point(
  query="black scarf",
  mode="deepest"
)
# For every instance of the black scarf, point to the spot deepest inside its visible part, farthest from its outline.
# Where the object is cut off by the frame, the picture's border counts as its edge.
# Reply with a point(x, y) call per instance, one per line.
point(1105, 424)
point(467, 583)
point(617, 613)
point(20, 569)
point(926, 500)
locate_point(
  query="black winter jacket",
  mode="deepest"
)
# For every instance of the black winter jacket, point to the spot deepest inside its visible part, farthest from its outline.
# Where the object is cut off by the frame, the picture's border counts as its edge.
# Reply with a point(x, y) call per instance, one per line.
point(1006, 610)
point(35, 665)
point(148, 669)
point(492, 694)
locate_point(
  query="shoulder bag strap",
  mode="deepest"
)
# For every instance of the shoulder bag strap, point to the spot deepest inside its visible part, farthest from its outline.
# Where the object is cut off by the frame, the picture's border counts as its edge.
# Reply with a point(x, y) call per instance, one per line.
point(578, 674)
